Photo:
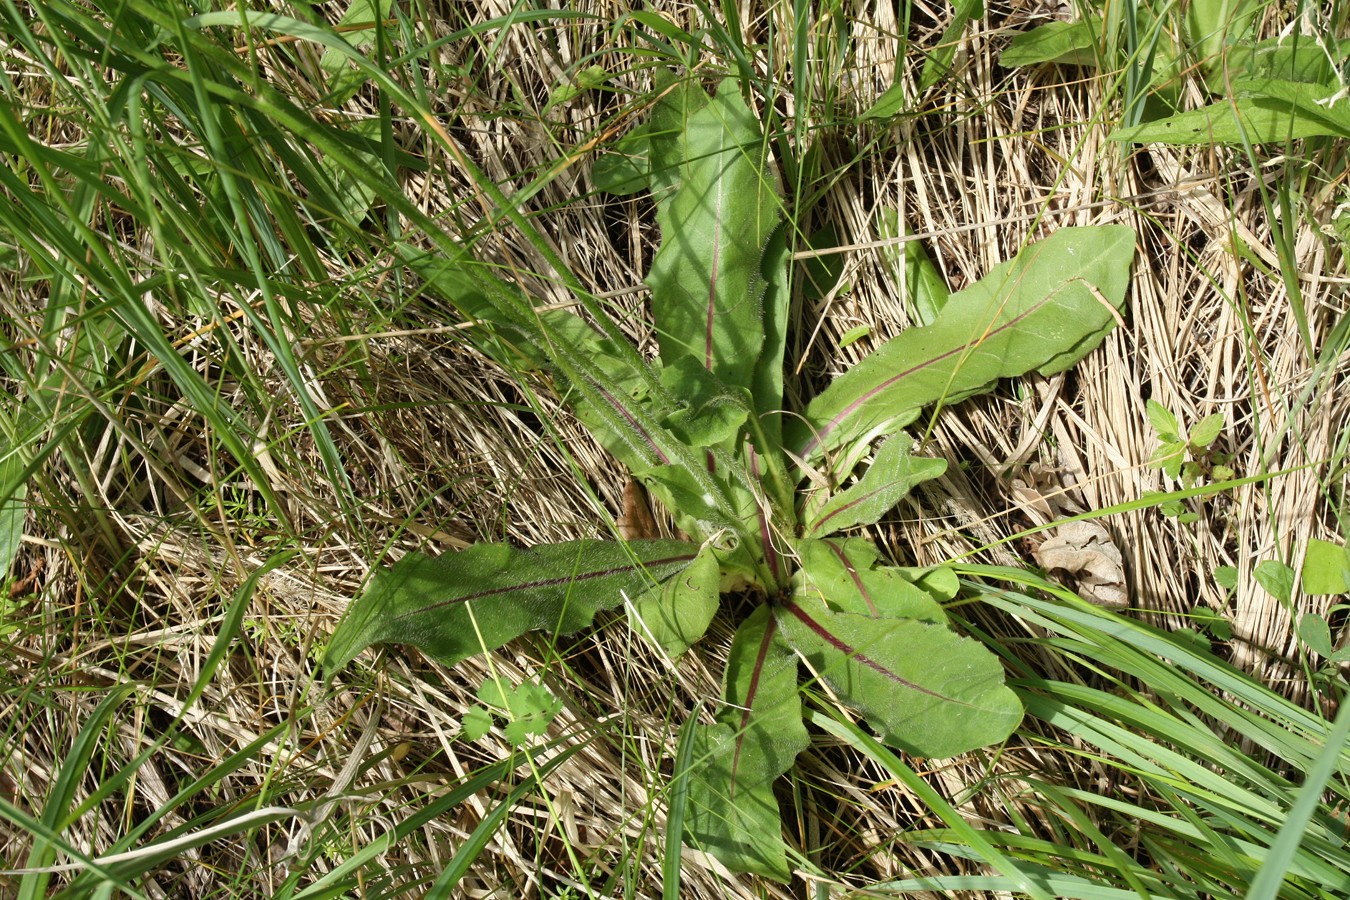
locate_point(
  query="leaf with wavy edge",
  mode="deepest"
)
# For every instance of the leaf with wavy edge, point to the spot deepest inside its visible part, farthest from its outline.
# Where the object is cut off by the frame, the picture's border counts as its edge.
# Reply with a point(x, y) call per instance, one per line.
point(923, 688)
point(1043, 310)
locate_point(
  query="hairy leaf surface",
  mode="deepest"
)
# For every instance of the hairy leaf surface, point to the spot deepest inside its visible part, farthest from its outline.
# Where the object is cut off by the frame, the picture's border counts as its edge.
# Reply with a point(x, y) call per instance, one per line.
point(758, 734)
point(1043, 310)
point(458, 605)
point(923, 688)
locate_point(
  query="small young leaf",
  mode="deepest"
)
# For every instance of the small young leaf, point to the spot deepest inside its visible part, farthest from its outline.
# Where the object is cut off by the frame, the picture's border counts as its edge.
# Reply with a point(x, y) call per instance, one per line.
point(1042, 310)
point(1168, 457)
point(1206, 431)
point(758, 734)
point(892, 475)
point(923, 688)
point(1276, 578)
point(846, 576)
point(889, 104)
point(675, 614)
point(1163, 422)
point(922, 286)
point(939, 62)
point(1226, 577)
point(1316, 634)
point(458, 605)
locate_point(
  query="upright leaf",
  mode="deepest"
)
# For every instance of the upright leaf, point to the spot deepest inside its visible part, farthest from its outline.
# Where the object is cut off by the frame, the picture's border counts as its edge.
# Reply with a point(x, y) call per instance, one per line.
point(1043, 310)
point(923, 688)
point(707, 286)
point(458, 605)
point(758, 734)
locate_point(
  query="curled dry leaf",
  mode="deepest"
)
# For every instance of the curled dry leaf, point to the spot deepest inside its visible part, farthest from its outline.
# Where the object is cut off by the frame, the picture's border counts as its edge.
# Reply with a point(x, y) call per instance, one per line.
point(1085, 551)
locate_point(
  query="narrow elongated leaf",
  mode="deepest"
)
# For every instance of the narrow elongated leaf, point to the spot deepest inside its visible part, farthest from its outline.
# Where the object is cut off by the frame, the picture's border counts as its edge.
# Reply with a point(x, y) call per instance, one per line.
point(1262, 111)
point(759, 732)
point(923, 688)
point(1065, 43)
point(1043, 310)
point(847, 576)
point(461, 604)
point(924, 291)
point(13, 505)
point(890, 478)
point(707, 285)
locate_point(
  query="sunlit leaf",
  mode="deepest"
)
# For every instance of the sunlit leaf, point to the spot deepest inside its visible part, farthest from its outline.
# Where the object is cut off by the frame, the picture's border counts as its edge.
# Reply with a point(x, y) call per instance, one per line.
point(461, 604)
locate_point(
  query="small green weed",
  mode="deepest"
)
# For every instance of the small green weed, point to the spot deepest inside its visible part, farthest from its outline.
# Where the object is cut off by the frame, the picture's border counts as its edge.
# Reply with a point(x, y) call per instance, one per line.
point(768, 497)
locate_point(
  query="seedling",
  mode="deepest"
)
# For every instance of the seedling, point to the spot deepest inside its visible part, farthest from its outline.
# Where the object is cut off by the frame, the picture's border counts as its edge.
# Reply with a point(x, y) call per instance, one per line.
point(1188, 458)
point(772, 500)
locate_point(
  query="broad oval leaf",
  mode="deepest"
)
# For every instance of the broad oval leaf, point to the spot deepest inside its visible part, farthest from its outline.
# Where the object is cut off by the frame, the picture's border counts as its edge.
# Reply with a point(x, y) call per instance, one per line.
point(758, 734)
point(924, 688)
point(458, 605)
point(1043, 310)
point(1261, 111)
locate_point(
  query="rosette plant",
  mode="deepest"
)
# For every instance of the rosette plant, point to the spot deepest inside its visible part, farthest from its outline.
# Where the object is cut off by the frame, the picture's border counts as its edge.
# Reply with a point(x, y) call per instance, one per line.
point(772, 499)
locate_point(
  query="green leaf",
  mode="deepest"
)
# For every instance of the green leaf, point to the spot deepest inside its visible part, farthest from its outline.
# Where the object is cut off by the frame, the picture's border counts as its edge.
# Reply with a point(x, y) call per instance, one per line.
point(889, 104)
point(1163, 422)
point(923, 688)
point(757, 736)
point(1206, 431)
point(625, 169)
point(1326, 568)
point(476, 723)
point(344, 78)
point(1277, 578)
point(846, 575)
point(922, 286)
point(891, 476)
point(675, 614)
point(706, 280)
point(1316, 633)
point(1169, 457)
point(1039, 311)
point(1260, 111)
point(1063, 43)
point(13, 508)
point(711, 413)
point(939, 62)
point(1211, 25)
point(527, 708)
point(1226, 577)
point(458, 605)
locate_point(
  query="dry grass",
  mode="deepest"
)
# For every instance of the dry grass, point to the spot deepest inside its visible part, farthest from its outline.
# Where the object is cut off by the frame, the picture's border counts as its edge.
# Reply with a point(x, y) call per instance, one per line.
point(443, 448)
